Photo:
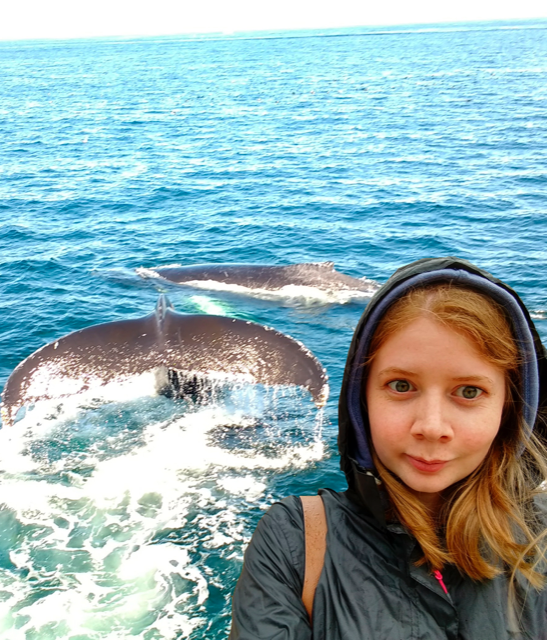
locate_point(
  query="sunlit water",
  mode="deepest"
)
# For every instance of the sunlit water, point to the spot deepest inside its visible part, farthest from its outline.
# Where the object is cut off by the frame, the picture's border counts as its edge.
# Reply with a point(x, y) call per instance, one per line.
point(129, 519)
point(126, 515)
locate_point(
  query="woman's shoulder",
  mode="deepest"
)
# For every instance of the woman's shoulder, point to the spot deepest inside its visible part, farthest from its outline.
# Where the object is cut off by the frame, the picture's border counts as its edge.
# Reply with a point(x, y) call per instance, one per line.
point(288, 514)
point(281, 528)
point(283, 525)
point(267, 598)
point(278, 539)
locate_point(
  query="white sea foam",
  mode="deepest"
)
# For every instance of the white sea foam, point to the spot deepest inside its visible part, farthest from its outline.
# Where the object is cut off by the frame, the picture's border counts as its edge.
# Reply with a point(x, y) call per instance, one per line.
point(70, 395)
point(297, 295)
point(291, 293)
point(146, 273)
point(111, 538)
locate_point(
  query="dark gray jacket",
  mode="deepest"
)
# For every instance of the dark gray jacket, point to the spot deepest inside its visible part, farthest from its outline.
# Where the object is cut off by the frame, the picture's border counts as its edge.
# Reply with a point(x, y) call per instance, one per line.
point(370, 587)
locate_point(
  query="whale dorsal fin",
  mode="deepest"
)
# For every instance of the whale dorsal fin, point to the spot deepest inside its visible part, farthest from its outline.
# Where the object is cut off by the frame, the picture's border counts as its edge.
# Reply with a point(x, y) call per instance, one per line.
point(323, 266)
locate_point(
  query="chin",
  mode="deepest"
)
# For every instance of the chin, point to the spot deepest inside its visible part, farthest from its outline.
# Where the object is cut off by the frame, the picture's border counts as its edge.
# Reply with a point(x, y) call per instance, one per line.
point(428, 487)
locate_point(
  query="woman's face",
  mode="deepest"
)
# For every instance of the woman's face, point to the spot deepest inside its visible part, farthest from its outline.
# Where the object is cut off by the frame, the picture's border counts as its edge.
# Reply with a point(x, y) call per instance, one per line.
point(434, 405)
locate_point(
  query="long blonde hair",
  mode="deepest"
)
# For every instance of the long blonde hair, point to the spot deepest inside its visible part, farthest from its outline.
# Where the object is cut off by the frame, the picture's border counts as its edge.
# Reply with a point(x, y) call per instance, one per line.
point(487, 524)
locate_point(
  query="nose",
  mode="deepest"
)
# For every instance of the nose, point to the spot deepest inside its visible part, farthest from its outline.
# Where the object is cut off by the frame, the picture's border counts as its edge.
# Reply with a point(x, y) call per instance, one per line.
point(431, 420)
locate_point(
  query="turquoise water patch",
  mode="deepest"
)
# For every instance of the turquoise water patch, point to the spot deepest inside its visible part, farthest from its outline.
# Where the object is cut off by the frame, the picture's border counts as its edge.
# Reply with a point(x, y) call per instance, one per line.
point(116, 526)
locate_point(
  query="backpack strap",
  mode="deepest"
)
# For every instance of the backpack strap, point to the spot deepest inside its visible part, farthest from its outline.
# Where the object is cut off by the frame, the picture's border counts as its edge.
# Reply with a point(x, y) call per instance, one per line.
point(315, 530)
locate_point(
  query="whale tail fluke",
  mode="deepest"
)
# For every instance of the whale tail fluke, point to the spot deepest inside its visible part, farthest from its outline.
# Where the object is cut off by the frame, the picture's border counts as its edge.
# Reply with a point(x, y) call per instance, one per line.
point(181, 350)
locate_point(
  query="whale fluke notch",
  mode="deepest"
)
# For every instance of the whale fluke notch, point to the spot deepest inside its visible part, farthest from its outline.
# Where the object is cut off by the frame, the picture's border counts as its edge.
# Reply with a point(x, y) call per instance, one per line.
point(162, 342)
point(163, 305)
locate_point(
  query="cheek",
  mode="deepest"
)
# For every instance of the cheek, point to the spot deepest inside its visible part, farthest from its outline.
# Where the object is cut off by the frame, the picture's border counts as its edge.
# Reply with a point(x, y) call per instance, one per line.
point(388, 425)
point(479, 434)
point(479, 443)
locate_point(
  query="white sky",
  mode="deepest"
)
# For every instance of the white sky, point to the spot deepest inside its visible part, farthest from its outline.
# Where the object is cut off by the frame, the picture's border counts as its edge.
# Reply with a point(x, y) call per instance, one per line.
point(87, 18)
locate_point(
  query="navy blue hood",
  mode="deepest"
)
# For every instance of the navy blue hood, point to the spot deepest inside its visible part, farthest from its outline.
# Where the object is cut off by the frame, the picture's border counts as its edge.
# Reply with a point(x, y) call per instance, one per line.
point(353, 439)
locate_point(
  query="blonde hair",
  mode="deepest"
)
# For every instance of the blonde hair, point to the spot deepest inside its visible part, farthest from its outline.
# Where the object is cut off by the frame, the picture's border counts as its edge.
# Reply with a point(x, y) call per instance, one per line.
point(487, 524)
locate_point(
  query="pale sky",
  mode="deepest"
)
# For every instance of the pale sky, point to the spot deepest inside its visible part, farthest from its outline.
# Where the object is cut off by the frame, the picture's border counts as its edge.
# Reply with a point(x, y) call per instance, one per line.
point(22, 19)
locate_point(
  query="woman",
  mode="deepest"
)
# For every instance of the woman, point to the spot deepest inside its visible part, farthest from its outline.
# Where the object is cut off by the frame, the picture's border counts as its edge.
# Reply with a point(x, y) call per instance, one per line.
point(441, 531)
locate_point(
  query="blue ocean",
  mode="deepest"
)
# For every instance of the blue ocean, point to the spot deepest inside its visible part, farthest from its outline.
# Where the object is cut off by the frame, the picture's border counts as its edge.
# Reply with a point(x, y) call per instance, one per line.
point(127, 516)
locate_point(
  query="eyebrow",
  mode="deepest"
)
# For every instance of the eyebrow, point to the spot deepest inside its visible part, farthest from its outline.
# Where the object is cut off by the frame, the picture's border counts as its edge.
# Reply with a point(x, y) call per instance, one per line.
point(405, 372)
point(474, 379)
point(397, 371)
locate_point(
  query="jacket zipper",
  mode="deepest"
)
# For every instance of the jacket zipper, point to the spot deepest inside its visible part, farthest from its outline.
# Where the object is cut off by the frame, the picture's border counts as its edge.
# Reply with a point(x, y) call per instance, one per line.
point(439, 577)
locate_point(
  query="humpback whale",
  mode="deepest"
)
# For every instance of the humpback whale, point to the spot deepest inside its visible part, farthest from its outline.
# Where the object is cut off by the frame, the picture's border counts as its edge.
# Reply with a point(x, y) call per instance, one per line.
point(181, 350)
point(321, 275)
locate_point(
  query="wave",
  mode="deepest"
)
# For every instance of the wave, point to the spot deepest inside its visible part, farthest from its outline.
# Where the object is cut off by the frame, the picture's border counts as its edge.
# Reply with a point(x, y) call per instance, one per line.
point(118, 516)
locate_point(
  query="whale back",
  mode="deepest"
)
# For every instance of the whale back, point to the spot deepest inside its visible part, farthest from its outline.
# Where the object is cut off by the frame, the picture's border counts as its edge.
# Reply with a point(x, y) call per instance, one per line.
point(312, 274)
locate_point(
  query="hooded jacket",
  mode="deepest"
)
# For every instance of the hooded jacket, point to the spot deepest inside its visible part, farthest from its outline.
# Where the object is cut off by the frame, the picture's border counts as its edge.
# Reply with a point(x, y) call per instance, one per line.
point(370, 587)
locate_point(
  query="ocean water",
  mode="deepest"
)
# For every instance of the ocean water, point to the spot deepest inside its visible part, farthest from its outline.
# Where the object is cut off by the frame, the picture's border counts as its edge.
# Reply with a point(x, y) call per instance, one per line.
point(128, 517)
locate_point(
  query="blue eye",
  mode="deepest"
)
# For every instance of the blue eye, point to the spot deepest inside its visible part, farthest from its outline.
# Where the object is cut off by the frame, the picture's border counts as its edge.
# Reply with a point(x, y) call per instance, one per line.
point(401, 386)
point(469, 393)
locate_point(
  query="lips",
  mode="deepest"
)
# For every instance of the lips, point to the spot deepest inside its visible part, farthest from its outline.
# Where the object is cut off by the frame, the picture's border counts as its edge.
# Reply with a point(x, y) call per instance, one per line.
point(427, 466)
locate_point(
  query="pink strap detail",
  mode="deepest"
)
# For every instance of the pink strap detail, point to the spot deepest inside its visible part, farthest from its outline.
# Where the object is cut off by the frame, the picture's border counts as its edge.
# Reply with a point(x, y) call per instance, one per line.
point(439, 577)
